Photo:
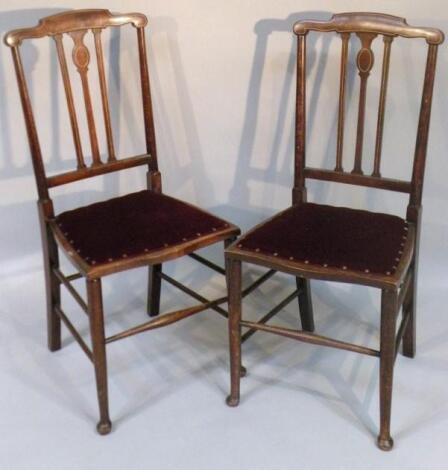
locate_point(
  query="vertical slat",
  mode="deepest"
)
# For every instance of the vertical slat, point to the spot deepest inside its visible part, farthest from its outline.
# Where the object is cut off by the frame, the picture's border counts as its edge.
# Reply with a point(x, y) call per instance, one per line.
point(364, 61)
point(300, 136)
point(343, 78)
point(104, 95)
point(422, 133)
point(382, 105)
point(30, 124)
point(146, 98)
point(69, 98)
point(81, 59)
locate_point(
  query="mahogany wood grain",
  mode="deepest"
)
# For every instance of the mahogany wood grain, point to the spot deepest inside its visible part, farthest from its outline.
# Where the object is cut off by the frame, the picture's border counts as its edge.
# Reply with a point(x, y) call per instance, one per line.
point(341, 112)
point(398, 288)
point(81, 59)
point(77, 25)
point(70, 100)
point(104, 96)
point(382, 105)
point(374, 23)
point(300, 136)
point(364, 61)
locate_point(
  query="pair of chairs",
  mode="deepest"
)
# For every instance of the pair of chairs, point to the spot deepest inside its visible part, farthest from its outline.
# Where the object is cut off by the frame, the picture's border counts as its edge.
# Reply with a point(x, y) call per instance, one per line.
point(308, 241)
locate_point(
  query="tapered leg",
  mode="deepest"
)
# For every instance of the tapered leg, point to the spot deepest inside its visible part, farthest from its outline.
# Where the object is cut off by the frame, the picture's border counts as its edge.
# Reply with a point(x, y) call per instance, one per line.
point(52, 284)
point(233, 268)
point(305, 304)
point(95, 302)
point(154, 285)
point(409, 305)
point(387, 358)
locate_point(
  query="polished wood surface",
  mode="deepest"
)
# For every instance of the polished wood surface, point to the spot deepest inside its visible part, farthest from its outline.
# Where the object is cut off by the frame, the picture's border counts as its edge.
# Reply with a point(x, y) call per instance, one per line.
point(370, 23)
point(76, 20)
point(76, 26)
point(398, 289)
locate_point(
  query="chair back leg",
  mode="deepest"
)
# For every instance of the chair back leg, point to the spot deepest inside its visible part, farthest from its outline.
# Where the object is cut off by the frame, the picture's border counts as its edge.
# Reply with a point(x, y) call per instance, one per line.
point(305, 304)
point(389, 306)
point(409, 305)
point(95, 304)
point(154, 286)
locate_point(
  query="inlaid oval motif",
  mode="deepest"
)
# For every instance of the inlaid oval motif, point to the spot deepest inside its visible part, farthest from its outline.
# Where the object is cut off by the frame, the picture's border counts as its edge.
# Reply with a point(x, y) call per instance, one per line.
point(81, 56)
point(365, 60)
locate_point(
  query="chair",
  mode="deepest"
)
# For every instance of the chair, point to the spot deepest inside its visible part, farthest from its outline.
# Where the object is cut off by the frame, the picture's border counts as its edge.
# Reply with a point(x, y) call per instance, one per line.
point(314, 241)
point(144, 228)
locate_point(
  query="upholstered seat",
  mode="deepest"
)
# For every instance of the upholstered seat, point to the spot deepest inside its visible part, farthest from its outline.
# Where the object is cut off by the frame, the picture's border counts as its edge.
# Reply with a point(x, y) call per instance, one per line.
point(334, 237)
point(134, 224)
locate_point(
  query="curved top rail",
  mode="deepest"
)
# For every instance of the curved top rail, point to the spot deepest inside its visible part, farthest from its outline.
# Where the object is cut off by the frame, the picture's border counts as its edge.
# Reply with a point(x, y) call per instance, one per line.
point(75, 20)
point(376, 23)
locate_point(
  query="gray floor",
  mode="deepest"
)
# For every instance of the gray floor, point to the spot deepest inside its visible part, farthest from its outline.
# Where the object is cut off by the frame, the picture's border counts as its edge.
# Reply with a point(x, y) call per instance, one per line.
point(302, 407)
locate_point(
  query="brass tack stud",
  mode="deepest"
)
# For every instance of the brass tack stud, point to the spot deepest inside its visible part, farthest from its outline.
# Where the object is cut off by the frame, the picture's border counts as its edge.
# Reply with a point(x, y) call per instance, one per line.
point(198, 234)
point(401, 244)
point(367, 270)
point(394, 267)
point(397, 259)
point(124, 255)
point(388, 273)
point(226, 225)
point(239, 245)
point(71, 242)
point(406, 228)
point(325, 265)
point(275, 254)
point(404, 237)
point(400, 252)
point(165, 245)
point(344, 267)
point(78, 251)
point(65, 233)
point(184, 239)
point(256, 249)
point(146, 250)
point(93, 261)
point(291, 258)
point(110, 259)
point(307, 262)
point(214, 229)
point(87, 258)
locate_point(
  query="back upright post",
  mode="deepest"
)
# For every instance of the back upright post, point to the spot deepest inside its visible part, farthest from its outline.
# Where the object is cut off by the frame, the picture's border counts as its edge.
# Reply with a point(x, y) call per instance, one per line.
point(299, 190)
point(153, 174)
point(414, 210)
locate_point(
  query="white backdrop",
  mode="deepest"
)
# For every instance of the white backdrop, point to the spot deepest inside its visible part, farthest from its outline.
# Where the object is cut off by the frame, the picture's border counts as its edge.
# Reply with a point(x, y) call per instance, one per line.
point(223, 76)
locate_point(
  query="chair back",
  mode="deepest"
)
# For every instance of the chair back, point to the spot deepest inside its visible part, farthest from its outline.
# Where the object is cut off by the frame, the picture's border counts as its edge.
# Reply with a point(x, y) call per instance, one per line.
point(76, 25)
point(367, 27)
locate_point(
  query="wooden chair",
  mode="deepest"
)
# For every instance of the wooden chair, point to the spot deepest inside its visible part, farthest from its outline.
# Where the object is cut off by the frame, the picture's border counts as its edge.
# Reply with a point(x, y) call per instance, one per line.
point(145, 228)
point(313, 241)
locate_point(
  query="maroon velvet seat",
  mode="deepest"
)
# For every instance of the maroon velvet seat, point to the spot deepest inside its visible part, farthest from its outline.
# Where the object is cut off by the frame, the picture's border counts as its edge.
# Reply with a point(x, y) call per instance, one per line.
point(333, 237)
point(135, 224)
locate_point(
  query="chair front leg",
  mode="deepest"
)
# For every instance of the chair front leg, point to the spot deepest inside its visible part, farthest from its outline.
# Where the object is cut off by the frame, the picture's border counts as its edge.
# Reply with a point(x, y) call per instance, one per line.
point(409, 306)
point(389, 302)
point(305, 304)
point(154, 285)
point(233, 268)
point(95, 303)
point(52, 286)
